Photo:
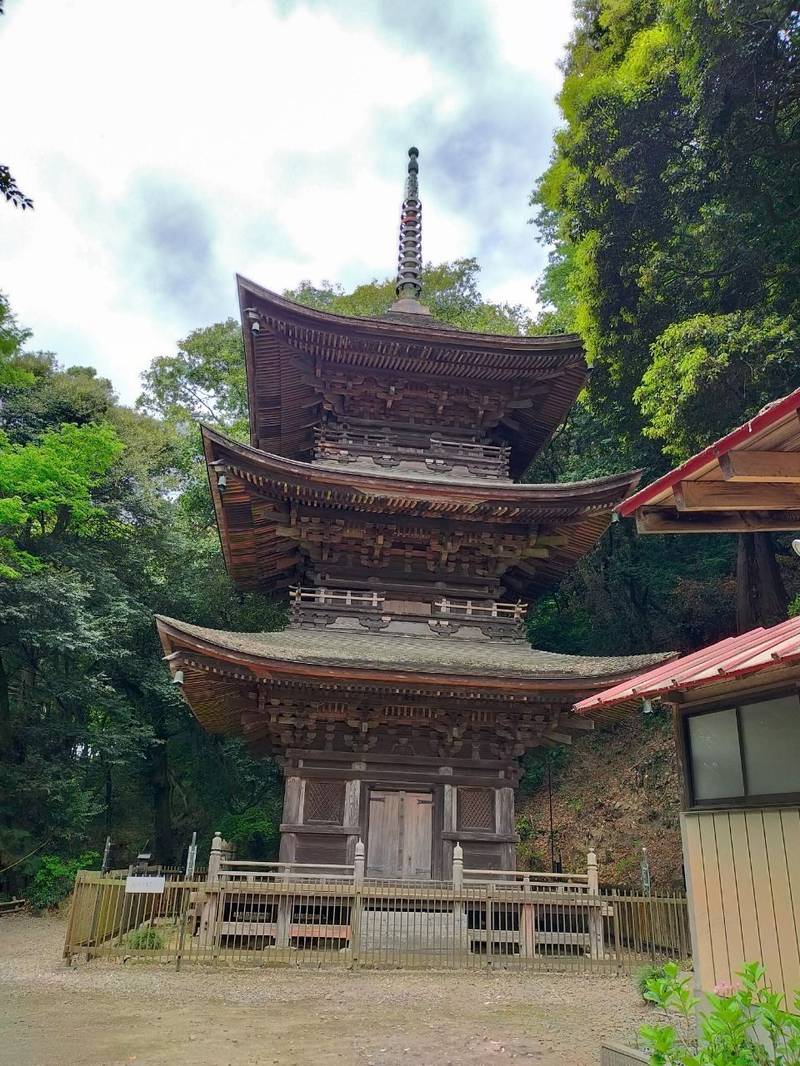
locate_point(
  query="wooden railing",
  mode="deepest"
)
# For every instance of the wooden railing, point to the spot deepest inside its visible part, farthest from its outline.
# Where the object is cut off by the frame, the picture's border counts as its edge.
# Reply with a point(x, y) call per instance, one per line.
point(342, 445)
point(307, 601)
point(299, 913)
point(376, 923)
point(345, 598)
point(480, 610)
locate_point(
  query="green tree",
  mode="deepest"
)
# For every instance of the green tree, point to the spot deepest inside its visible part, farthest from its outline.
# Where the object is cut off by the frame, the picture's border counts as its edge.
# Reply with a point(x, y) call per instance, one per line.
point(449, 290)
point(673, 203)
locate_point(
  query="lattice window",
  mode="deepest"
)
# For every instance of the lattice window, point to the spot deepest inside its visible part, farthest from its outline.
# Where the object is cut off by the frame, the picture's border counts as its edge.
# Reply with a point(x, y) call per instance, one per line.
point(324, 802)
point(476, 809)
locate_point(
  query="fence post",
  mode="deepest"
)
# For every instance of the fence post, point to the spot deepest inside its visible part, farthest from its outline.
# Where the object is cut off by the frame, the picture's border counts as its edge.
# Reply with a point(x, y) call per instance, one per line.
point(459, 909)
point(592, 873)
point(191, 858)
point(596, 945)
point(215, 858)
point(458, 868)
point(208, 920)
point(357, 902)
point(358, 866)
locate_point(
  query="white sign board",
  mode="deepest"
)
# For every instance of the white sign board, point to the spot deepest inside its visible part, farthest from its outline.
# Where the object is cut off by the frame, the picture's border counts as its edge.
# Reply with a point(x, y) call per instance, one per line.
point(144, 883)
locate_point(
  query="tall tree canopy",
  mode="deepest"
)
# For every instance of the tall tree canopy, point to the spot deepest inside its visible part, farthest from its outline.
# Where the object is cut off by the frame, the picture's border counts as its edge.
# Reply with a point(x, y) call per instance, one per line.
point(673, 204)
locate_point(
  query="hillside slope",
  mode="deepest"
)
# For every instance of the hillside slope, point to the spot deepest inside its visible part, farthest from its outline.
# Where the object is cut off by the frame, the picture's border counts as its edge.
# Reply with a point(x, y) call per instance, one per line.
point(616, 789)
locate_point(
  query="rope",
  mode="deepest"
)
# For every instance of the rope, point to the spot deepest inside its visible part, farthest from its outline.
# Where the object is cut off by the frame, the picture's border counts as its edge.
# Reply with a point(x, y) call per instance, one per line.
point(24, 857)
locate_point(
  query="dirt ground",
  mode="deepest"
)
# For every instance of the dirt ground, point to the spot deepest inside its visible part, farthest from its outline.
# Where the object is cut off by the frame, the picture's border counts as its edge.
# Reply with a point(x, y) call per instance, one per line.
point(105, 1014)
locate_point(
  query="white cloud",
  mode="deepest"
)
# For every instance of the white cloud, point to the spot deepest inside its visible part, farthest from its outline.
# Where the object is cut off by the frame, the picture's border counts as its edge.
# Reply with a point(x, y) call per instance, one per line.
point(269, 138)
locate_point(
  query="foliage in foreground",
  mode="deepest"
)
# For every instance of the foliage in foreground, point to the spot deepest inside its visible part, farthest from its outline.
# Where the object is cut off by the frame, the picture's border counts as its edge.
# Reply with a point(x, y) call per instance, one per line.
point(746, 1025)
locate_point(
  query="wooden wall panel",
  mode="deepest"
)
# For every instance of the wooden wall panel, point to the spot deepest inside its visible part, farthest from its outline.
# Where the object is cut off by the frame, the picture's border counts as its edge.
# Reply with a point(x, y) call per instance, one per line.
point(743, 877)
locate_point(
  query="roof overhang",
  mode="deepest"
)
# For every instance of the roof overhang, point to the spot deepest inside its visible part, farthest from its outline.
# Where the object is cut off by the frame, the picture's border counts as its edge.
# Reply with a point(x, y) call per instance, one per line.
point(268, 497)
point(747, 481)
point(223, 665)
point(288, 345)
point(726, 661)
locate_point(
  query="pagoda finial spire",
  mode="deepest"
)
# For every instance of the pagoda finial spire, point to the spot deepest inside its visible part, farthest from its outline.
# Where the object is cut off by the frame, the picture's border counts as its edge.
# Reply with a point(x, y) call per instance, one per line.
point(409, 263)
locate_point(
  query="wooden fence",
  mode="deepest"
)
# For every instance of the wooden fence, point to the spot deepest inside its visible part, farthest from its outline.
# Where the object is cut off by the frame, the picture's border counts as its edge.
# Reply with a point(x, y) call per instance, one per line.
point(273, 913)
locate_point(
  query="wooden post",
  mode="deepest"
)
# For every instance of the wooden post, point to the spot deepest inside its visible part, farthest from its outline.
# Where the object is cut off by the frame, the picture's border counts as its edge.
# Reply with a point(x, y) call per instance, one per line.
point(458, 868)
point(215, 858)
point(208, 918)
point(592, 873)
point(358, 867)
point(458, 887)
point(191, 858)
point(357, 903)
point(596, 945)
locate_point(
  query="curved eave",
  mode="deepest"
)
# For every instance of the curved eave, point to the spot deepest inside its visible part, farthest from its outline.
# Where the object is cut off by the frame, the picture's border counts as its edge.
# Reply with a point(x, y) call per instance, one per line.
point(180, 639)
point(221, 672)
point(427, 330)
point(260, 553)
point(284, 408)
point(492, 497)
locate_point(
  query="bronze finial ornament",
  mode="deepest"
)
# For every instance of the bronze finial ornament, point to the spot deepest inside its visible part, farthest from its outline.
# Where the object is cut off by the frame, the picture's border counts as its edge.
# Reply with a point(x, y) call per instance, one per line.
point(409, 263)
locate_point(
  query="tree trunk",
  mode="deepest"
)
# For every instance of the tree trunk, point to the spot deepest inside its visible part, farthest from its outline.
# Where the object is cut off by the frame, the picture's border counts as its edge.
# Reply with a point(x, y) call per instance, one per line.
point(109, 781)
point(5, 709)
point(761, 598)
point(163, 841)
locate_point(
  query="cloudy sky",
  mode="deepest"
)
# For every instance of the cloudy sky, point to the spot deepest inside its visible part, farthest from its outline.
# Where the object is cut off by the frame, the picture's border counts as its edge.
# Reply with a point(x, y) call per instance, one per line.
point(168, 144)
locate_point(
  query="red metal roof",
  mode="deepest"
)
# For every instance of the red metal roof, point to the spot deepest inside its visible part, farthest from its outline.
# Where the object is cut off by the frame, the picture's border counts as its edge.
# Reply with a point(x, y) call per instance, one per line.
point(730, 658)
point(764, 420)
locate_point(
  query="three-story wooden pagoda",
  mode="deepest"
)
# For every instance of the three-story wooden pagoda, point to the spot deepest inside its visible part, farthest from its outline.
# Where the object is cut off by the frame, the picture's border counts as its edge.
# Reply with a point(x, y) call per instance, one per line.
point(378, 492)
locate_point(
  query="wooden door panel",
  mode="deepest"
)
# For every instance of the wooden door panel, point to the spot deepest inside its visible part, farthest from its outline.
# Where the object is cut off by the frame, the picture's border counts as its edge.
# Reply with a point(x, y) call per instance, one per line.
point(383, 842)
point(417, 835)
point(400, 836)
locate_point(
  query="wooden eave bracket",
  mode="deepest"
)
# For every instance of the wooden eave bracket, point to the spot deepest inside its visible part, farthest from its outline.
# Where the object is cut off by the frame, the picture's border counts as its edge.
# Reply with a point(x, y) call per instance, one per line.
point(777, 468)
point(670, 520)
point(729, 496)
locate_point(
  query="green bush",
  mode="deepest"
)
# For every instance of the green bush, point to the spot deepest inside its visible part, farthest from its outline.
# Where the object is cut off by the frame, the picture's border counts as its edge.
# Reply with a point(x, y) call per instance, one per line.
point(747, 1024)
point(147, 939)
point(645, 976)
point(55, 877)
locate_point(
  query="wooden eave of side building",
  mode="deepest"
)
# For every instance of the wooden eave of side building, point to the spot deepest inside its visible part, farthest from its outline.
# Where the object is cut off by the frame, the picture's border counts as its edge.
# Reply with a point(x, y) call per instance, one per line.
point(267, 497)
point(295, 346)
point(747, 481)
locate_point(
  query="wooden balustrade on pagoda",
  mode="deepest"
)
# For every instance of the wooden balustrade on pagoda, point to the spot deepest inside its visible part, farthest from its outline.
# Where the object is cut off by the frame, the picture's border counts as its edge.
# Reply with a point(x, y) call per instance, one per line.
point(313, 606)
point(434, 454)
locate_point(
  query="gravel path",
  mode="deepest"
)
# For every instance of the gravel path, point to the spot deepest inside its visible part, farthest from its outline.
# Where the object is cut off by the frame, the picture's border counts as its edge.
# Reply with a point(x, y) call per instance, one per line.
point(104, 1014)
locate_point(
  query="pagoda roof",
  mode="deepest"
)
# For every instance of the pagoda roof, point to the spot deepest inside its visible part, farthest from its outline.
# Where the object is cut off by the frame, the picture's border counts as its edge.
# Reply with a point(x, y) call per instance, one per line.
point(291, 343)
point(474, 669)
point(264, 493)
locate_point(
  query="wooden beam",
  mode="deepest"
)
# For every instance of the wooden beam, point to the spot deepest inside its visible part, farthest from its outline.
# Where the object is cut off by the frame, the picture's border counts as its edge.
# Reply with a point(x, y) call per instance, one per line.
point(664, 520)
point(775, 467)
point(730, 496)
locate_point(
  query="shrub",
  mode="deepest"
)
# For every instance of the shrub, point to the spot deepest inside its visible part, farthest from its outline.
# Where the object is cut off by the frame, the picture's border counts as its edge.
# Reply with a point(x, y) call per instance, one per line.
point(645, 976)
point(148, 939)
point(55, 877)
point(747, 1025)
